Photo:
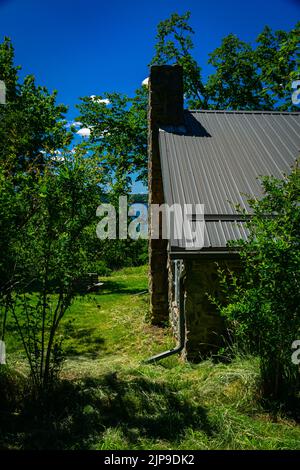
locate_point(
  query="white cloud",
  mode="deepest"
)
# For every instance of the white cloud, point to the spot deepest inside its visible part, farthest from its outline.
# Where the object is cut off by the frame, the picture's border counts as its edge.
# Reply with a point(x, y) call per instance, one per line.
point(98, 100)
point(73, 123)
point(77, 124)
point(84, 132)
point(145, 82)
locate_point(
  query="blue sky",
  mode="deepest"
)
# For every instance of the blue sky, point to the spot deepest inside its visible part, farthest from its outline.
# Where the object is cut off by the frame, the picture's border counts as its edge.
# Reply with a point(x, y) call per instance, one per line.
point(85, 47)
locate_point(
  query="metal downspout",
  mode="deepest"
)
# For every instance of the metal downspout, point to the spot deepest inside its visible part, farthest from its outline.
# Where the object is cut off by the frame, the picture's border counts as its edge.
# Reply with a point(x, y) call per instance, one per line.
point(181, 331)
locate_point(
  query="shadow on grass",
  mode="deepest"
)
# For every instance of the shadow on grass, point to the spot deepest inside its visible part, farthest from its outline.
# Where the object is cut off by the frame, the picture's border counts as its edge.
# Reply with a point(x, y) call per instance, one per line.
point(74, 416)
point(115, 287)
point(88, 340)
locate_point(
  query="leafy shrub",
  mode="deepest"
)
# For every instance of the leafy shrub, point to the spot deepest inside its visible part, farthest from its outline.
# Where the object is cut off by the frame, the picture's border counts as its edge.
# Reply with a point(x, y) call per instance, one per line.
point(123, 253)
point(11, 389)
point(51, 252)
point(264, 299)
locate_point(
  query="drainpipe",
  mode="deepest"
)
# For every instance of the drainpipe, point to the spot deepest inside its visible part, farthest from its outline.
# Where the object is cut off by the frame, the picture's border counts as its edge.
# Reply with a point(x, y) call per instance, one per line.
point(181, 329)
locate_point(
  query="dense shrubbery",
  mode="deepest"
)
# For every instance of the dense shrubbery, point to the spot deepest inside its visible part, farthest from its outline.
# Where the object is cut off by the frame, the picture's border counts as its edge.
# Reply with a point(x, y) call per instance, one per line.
point(264, 300)
point(48, 200)
point(48, 252)
point(122, 253)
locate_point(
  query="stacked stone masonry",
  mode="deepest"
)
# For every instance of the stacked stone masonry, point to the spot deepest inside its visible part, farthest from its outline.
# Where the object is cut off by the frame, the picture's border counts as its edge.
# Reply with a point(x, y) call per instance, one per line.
point(165, 108)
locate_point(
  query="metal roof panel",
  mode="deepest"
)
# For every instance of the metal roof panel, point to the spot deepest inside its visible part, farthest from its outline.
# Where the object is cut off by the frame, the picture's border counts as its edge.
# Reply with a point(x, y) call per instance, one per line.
point(217, 162)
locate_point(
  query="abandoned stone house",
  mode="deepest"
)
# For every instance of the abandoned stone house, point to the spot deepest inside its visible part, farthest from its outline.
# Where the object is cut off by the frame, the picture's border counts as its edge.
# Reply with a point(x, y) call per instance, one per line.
point(213, 158)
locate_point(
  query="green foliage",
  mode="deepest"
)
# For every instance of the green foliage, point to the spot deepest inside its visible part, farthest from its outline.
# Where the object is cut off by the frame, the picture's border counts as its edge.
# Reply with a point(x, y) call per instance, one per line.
point(174, 45)
point(245, 77)
point(120, 253)
point(118, 136)
point(47, 214)
point(47, 217)
point(264, 300)
point(236, 83)
point(12, 216)
point(277, 58)
point(258, 77)
point(8, 71)
point(32, 125)
point(51, 254)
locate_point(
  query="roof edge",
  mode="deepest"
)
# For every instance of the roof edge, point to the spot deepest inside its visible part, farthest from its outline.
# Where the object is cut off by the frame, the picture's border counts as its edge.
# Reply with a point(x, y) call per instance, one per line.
point(240, 111)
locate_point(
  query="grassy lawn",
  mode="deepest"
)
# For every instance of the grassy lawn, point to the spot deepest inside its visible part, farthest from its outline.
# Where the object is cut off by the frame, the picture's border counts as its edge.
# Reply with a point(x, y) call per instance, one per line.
point(109, 399)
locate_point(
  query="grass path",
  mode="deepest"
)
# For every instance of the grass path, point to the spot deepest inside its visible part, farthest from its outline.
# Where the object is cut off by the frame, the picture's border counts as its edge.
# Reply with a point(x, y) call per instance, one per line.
point(110, 400)
point(111, 327)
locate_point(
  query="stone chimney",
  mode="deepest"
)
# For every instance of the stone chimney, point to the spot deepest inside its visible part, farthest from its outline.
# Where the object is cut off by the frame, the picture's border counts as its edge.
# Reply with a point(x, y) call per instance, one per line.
point(165, 109)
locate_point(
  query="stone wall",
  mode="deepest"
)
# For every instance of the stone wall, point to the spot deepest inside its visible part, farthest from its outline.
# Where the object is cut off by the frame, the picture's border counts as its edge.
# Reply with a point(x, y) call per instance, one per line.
point(206, 331)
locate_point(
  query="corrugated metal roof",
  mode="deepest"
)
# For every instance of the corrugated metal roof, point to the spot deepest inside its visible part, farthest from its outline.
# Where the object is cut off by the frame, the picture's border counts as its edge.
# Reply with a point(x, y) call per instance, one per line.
point(217, 234)
point(217, 157)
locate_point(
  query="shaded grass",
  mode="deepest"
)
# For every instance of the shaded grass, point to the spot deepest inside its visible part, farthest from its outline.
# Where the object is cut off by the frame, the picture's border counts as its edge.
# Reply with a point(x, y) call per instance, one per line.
point(111, 323)
point(208, 406)
point(108, 399)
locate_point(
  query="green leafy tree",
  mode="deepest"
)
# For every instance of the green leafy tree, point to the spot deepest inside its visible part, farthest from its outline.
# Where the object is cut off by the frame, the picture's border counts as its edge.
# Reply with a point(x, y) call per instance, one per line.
point(8, 71)
point(277, 58)
point(17, 206)
point(32, 125)
point(236, 83)
point(244, 77)
point(118, 135)
point(47, 211)
point(174, 44)
point(255, 78)
point(264, 300)
point(12, 216)
point(52, 252)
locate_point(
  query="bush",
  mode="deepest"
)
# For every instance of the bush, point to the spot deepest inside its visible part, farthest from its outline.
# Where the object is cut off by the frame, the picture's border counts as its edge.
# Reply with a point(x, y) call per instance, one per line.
point(11, 389)
point(100, 268)
point(123, 253)
point(51, 252)
point(264, 300)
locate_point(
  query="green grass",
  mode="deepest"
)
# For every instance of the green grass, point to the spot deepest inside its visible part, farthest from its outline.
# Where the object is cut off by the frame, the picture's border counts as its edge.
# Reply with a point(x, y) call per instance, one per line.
point(111, 326)
point(109, 399)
